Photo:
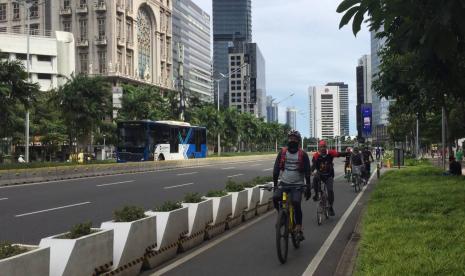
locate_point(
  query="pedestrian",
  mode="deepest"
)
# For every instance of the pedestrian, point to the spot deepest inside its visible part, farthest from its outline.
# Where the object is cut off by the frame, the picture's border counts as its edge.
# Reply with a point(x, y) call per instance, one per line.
point(459, 155)
point(454, 167)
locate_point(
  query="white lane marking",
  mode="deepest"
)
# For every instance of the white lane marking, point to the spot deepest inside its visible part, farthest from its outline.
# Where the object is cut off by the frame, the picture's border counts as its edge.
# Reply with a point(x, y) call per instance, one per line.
point(52, 209)
point(228, 168)
point(265, 170)
point(189, 173)
point(312, 267)
point(235, 175)
point(5, 198)
point(209, 245)
point(129, 173)
point(176, 186)
point(115, 183)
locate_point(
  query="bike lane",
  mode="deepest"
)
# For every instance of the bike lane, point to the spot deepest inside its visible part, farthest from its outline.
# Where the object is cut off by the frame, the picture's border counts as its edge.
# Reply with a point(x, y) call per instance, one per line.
point(250, 249)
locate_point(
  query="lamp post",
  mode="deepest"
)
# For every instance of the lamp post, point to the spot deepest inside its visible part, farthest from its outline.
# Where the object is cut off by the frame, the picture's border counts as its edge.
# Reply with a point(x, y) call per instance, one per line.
point(104, 148)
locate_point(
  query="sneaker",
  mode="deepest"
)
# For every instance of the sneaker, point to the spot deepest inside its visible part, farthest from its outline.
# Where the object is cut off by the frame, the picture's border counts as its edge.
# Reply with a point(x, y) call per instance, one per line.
point(331, 211)
point(300, 236)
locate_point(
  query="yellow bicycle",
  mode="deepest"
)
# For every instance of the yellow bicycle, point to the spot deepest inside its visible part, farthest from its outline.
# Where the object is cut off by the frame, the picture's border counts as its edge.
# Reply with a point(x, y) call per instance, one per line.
point(285, 223)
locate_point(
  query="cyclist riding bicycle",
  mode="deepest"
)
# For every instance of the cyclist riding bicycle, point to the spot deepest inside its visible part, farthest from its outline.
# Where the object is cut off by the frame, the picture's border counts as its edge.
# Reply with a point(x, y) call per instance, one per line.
point(347, 161)
point(356, 160)
point(366, 153)
point(293, 164)
point(322, 162)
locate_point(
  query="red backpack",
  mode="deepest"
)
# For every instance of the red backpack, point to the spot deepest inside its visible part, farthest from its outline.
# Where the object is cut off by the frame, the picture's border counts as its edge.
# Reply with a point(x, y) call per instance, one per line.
point(282, 162)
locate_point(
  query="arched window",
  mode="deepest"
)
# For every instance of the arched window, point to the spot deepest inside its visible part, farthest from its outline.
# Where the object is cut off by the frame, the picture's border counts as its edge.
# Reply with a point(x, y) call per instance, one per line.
point(144, 39)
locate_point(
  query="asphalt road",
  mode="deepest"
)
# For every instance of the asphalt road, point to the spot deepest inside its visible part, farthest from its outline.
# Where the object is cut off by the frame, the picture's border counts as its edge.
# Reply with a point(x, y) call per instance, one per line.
point(33, 211)
point(252, 251)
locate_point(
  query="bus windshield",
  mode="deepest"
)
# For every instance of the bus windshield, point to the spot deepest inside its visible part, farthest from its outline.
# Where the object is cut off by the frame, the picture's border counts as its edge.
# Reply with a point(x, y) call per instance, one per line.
point(132, 135)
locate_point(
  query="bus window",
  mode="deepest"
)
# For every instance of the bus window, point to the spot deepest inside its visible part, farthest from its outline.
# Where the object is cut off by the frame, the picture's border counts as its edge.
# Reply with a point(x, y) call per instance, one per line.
point(174, 141)
point(198, 140)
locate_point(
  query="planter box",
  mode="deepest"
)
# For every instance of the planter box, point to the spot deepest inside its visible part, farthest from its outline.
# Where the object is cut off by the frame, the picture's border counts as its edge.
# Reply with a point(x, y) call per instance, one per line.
point(33, 262)
point(200, 216)
point(239, 204)
point(222, 210)
point(131, 241)
point(265, 198)
point(81, 256)
point(171, 227)
point(253, 197)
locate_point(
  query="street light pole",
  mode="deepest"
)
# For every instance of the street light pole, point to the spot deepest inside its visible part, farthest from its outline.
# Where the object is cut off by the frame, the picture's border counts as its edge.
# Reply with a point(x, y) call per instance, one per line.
point(218, 108)
point(27, 5)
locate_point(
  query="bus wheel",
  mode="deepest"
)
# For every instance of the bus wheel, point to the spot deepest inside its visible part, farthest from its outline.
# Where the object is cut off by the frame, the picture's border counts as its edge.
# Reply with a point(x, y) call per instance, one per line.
point(161, 157)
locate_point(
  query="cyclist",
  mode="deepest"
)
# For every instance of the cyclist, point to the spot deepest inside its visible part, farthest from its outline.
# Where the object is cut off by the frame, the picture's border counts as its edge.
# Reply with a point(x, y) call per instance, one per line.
point(366, 153)
point(378, 153)
point(356, 160)
point(347, 161)
point(323, 162)
point(293, 164)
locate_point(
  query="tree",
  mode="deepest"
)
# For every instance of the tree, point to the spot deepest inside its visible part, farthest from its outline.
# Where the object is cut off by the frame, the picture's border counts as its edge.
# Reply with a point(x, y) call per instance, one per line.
point(85, 102)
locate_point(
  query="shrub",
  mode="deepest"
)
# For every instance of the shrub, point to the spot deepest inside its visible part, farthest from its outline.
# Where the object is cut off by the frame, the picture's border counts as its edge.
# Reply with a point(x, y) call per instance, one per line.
point(8, 250)
point(78, 230)
point(168, 206)
point(232, 186)
point(193, 198)
point(128, 214)
point(216, 193)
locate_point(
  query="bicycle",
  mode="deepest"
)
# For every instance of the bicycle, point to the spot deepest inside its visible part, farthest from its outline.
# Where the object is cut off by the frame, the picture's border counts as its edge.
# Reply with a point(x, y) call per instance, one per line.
point(323, 205)
point(285, 222)
point(357, 176)
point(348, 174)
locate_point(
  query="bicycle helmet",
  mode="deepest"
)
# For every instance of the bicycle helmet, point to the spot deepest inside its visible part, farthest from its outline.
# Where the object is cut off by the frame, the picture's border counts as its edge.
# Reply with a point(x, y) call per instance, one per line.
point(294, 133)
point(322, 143)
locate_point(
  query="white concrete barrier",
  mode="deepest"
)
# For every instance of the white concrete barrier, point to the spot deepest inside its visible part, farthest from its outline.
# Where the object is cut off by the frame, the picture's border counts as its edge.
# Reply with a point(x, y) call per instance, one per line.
point(239, 204)
point(200, 216)
point(130, 243)
point(33, 262)
point(222, 210)
point(253, 197)
point(265, 199)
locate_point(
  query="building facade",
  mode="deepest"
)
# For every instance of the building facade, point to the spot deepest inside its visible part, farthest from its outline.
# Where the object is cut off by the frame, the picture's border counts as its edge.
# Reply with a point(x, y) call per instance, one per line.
point(291, 117)
point(51, 57)
point(324, 112)
point(191, 50)
point(232, 20)
point(247, 81)
point(344, 106)
point(364, 90)
point(271, 110)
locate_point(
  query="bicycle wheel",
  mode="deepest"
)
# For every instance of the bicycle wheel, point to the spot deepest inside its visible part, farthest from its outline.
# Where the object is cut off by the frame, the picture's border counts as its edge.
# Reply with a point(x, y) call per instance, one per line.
point(326, 207)
point(282, 235)
point(319, 213)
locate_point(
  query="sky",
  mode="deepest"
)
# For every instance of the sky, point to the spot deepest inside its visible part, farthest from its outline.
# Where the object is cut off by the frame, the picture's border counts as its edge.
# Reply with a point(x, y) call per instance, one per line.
point(303, 46)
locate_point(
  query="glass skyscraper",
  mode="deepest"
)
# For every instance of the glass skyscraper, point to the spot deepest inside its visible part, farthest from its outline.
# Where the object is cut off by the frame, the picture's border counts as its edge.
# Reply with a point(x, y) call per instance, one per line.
point(232, 20)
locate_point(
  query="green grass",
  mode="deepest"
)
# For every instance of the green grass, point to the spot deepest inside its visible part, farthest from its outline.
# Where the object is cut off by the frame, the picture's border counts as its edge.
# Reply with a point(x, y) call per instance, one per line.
point(36, 165)
point(414, 225)
point(245, 153)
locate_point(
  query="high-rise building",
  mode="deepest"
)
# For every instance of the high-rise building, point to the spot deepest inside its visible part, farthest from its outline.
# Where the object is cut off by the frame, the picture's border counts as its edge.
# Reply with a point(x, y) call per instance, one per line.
point(271, 110)
point(344, 106)
point(291, 117)
point(324, 111)
point(364, 92)
point(191, 32)
point(247, 83)
point(51, 57)
point(380, 105)
point(127, 41)
point(232, 20)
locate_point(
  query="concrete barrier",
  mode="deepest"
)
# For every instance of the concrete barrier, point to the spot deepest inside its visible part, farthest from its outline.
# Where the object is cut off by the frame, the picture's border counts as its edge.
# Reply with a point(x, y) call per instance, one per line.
point(200, 216)
point(33, 262)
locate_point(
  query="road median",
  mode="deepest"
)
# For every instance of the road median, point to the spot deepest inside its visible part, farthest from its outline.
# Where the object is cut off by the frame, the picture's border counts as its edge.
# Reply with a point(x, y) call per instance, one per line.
point(414, 225)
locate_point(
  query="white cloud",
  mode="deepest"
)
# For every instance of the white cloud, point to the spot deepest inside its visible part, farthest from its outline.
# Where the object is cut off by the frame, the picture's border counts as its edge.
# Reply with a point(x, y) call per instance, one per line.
point(303, 46)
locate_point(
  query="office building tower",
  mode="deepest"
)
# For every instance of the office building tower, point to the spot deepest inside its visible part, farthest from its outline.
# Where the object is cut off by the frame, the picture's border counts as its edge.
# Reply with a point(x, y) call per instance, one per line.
point(324, 104)
point(344, 106)
point(232, 20)
point(291, 117)
point(364, 90)
point(247, 83)
point(191, 50)
point(271, 110)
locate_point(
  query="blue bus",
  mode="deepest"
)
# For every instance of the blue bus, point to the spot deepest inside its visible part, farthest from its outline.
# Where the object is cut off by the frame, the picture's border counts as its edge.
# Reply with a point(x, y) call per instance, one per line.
point(159, 140)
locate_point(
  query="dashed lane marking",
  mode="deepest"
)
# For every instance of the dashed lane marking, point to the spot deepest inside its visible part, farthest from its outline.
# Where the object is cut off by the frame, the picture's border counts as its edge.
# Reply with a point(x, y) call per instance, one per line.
point(240, 174)
point(189, 173)
point(177, 186)
point(52, 209)
point(115, 183)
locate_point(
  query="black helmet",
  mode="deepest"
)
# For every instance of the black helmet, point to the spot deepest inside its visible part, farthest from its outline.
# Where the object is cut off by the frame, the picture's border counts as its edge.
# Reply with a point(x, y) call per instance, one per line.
point(294, 133)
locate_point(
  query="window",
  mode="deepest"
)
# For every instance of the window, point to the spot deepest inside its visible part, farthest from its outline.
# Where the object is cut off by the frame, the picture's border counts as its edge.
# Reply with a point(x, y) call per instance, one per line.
point(233, 57)
point(83, 2)
point(101, 28)
point(129, 63)
point(21, 56)
point(129, 31)
point(2, 29)
point(118, 28)
point(2, 12)
point(44, 76)
point(83, 62)
point(44, 58)
point(102, 62)
point(120, 61)
point(34, 10)
point(4, 56)
point(16, 29)
point(34, 29)
point(233, 88)
point(67, 26)
point(174, 141)
point(16, 12)
point(144, 39)
point(198, 140)
point(82, 29)
point(66, 4)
